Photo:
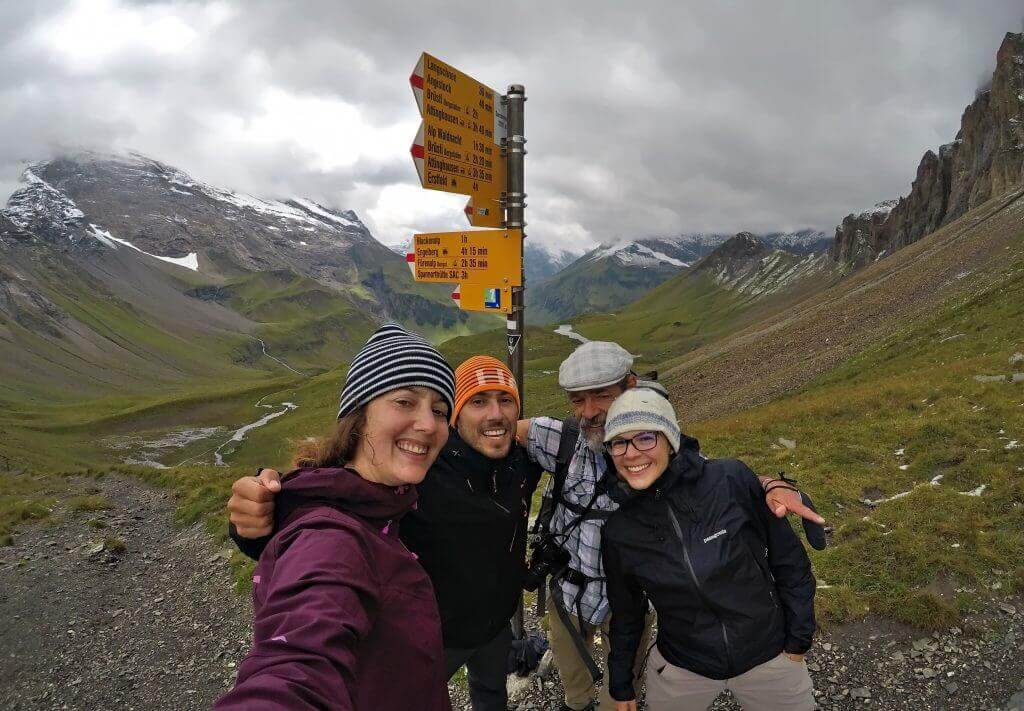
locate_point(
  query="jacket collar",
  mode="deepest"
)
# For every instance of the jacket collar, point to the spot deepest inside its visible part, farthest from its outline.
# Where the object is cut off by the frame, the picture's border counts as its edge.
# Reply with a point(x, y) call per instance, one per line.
point(461, 457)
point(459, 450)
point(344, 488)
point(687, 466)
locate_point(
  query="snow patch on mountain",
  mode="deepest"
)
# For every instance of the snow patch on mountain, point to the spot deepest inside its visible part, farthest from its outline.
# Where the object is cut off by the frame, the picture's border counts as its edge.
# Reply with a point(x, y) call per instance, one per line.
point(40, 198)
point(189, 261)
point(880, 209)
point(634, 254)
point(769, 274)
point(660, 258)
point(301, 210)
point(320, 211)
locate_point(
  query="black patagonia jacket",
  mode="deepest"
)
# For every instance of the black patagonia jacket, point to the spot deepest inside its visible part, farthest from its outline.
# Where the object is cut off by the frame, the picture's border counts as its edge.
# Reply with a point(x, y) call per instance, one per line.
point(731, 583)
point(469, 531)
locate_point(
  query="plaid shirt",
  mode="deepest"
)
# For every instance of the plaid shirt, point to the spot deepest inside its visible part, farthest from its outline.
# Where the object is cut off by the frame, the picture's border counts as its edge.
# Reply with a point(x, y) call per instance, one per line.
point(586, 469)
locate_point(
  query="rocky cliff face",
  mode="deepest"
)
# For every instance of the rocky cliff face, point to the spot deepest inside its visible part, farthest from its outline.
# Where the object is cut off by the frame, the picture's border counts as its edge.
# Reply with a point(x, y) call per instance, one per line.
point(984, 160)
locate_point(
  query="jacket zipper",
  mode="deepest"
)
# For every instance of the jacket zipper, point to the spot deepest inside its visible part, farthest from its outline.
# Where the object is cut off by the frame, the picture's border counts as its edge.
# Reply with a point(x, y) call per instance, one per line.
point(696, 583)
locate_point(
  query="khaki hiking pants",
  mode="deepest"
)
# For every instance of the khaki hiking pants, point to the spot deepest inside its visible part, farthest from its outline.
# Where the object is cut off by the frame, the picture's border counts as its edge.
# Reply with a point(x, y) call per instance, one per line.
point(576, 679)
point(778, 684)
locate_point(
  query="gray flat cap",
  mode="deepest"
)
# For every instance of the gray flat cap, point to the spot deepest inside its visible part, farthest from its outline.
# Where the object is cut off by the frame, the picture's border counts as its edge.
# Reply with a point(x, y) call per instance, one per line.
point(596, 364)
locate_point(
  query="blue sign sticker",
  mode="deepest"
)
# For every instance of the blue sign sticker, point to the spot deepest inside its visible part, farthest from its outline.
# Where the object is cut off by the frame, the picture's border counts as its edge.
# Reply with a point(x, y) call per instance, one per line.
point(492, 298)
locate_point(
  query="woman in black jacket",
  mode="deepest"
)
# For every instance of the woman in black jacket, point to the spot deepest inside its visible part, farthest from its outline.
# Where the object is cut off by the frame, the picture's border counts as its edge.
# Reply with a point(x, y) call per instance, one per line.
point(731, 584)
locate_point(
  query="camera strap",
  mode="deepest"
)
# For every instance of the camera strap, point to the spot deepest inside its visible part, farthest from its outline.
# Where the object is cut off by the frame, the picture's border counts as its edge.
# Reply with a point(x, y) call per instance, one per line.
point(575, 633)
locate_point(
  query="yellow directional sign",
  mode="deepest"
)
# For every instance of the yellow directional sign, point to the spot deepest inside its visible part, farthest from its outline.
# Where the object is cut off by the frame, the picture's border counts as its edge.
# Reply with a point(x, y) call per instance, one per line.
point(483, 257)
point(484, 213)
point(482, 297)
point(457, 147)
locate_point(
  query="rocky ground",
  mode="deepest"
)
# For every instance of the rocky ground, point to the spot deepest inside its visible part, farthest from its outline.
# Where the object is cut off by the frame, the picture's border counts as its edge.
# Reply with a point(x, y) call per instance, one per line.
point(87, 625)
point(157, 625)
point(978, 665)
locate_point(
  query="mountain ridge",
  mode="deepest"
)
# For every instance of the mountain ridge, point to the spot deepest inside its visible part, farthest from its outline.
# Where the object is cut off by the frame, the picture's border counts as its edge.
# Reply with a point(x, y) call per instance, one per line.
point(611, 276)
point(984, 160)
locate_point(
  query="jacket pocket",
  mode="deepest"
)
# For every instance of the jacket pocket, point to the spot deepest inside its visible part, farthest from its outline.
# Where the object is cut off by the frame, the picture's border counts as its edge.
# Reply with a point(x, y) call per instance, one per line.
point(768, 580)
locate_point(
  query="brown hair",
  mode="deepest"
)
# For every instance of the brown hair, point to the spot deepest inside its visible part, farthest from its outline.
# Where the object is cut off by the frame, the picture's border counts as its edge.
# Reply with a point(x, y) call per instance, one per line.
point(336, 449)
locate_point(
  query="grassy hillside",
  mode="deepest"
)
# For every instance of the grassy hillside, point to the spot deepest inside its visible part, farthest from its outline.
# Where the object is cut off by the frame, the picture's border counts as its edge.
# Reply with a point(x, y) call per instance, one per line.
point(591, 286)
point(890, 420)
point(674, 317)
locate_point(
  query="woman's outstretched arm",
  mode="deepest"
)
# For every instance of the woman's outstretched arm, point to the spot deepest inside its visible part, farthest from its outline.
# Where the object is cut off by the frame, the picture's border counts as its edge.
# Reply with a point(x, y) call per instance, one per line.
point(318, 603)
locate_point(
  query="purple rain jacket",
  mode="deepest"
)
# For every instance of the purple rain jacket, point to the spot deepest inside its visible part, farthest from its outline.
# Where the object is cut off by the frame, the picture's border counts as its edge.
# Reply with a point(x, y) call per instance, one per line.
point(344, 615)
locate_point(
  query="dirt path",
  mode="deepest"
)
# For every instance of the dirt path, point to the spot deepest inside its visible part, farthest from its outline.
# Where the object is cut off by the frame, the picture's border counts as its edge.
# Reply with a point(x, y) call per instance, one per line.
point(157, 626)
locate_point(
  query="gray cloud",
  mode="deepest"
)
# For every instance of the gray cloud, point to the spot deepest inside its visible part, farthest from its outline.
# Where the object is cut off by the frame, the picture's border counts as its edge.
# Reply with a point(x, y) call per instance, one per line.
point(643, 118)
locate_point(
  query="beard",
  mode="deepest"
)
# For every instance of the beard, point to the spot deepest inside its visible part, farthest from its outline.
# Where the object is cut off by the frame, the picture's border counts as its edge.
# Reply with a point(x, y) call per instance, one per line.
point(593, 433)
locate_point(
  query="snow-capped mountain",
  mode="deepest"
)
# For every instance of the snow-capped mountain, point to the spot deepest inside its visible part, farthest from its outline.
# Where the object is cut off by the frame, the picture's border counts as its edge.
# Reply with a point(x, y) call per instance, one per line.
point(612, 275)
point(120, 269)
point(541, 263)
point(92, 202)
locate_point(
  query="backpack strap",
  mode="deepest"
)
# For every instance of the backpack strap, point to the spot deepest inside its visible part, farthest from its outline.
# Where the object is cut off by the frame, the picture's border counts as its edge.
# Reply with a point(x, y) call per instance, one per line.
point(566, 449)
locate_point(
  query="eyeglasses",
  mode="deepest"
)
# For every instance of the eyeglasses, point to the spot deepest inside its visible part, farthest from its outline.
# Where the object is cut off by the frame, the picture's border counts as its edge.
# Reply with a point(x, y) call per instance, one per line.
point(641, 442)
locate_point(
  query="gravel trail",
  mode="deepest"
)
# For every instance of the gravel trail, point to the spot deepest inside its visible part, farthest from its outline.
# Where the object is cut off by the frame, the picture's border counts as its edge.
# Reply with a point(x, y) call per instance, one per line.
point(156, 626)
point(875, 664)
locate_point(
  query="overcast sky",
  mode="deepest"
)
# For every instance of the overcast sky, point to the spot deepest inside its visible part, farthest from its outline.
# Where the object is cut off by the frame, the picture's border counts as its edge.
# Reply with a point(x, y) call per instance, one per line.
point(643, 118)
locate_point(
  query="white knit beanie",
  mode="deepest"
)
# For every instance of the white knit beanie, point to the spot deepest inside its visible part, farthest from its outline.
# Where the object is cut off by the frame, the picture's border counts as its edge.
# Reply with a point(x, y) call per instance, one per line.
point(642, 409)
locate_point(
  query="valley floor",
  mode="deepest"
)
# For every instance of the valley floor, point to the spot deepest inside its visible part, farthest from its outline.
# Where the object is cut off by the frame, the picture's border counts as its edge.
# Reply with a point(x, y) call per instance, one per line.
point(109, 605)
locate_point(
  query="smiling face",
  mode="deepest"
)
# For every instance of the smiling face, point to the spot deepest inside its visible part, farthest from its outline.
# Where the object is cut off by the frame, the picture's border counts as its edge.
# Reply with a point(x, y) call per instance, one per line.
point(590, 407)
point(641, 469)
point(405, 429)
point(487, 422)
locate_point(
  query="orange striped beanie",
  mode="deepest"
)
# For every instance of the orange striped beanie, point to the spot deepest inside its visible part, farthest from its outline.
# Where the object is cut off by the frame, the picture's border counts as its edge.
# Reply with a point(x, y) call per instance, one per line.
point(480, 373)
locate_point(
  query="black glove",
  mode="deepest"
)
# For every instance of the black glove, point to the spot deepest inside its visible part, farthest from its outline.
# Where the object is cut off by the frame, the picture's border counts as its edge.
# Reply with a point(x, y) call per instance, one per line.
point(815, 532)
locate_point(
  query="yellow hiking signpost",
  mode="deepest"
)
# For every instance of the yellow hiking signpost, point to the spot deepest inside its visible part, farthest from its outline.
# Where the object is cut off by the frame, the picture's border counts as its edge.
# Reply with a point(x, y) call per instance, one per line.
point(458, 145)
point(471, 141)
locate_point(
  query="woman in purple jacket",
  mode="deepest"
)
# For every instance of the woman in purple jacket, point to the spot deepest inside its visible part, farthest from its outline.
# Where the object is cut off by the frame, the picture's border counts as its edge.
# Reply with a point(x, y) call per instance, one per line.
point(344, 616)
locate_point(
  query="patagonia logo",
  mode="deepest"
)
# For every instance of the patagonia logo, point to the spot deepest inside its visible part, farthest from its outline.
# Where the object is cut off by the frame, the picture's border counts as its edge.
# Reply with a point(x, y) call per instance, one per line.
point(713, 536)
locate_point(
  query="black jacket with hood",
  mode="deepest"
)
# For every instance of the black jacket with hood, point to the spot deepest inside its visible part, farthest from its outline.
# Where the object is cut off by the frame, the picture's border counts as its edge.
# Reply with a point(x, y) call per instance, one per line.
point(469, 531)
point(731, 583)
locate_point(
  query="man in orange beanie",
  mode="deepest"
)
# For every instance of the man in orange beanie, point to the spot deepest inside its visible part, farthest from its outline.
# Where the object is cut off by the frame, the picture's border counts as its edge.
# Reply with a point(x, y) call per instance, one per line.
point(469, 528)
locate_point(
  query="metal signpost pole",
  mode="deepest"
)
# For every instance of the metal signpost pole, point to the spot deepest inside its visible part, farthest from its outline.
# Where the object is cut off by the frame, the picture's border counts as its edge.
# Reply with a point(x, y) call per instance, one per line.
point(515, 204)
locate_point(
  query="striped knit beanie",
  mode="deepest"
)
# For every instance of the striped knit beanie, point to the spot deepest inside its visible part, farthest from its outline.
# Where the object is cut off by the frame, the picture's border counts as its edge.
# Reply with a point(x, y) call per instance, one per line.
point(395, 358)
point(480, 373)
point(642, 409)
